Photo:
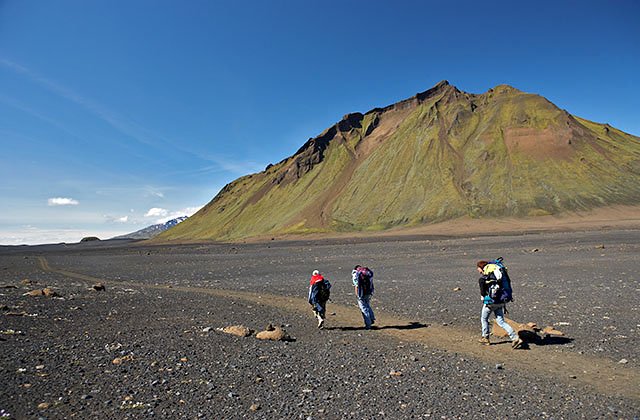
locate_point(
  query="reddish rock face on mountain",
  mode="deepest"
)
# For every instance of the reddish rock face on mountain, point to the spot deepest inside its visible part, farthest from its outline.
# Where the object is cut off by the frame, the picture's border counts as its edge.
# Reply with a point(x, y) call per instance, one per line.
point(439, 155)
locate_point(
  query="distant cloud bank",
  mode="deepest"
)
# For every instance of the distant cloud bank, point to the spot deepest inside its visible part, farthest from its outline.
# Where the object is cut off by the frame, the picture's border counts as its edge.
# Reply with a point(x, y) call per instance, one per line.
point(165, 215)
point(156, 212)
point(61, 201)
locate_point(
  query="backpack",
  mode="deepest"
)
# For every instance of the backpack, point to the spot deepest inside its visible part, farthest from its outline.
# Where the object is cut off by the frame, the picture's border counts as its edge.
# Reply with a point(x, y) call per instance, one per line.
point(324, 290)
point(500, 291)
point(365, 281)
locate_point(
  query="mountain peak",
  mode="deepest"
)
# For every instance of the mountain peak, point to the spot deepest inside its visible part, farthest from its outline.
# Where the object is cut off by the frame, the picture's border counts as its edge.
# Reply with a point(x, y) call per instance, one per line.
point(439, 155)
point(438, 88)
point(504, 89)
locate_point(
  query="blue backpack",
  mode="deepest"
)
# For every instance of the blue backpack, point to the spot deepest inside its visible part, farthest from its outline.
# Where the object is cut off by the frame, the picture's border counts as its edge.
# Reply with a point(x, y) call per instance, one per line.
point(500, 291)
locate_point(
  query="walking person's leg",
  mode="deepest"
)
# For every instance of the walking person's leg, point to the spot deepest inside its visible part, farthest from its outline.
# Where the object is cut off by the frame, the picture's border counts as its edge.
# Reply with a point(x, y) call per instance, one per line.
point(372, 316)
point(515, 340)
point(363, 303)
point(322, 313)
point(484, 321)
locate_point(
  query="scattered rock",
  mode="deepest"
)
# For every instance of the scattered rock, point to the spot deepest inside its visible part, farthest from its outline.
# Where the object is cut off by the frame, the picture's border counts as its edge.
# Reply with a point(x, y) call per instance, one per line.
point(601, 246)
point(623, 361)
point(499, 366)
point(27, 282)
point(274, 334)
point(457, 289)
point(395, 373)
point(22, 313)
point(529, 332)
point(120, 360)
point(238, 330)
point(11, 332)
point(43, 406)
point(254, 407)
point(207, 329)
point(552, 331)
point(99, 287)
point(47, 291)
point(535, 250)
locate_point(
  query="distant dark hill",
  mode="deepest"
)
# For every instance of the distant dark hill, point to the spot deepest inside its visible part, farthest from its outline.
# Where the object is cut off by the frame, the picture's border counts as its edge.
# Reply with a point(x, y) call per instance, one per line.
point(439, 155)
point(153, 230)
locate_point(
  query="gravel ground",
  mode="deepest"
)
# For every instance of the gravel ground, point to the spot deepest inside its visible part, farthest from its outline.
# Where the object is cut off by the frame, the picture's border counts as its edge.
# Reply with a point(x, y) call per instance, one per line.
point(57, 355)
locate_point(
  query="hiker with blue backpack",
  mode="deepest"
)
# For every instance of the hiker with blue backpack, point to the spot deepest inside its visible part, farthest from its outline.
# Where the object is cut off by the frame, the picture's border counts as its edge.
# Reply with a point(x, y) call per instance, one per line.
point(362, 278)
point(319, 293)
point(495, 289)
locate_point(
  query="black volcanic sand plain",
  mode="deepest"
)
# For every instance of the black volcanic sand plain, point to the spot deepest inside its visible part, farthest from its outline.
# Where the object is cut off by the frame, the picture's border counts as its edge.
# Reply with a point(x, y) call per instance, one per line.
point(162, 304)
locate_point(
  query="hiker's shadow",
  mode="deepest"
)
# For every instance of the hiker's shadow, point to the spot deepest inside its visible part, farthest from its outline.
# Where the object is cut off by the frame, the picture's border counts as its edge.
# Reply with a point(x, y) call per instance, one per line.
point(532, 338)
point(409, 326)
point(543, 340)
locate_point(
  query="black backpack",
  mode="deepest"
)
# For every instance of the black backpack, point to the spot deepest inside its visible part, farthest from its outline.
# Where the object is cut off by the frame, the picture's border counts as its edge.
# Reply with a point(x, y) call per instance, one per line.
point(365, 281)
point(324, 290)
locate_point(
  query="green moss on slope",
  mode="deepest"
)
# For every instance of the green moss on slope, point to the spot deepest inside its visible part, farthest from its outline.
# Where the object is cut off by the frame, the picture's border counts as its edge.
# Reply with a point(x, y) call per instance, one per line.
point(453, 154)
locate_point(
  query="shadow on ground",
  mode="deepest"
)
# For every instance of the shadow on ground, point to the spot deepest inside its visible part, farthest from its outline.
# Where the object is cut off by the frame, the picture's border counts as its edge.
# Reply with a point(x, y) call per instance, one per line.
point(409, 326)
point(533, 338)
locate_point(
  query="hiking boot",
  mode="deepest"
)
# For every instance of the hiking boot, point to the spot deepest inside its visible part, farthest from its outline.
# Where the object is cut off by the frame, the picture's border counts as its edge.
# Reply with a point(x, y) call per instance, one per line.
point(517, 343)
point(320, 323)
point(485, 341)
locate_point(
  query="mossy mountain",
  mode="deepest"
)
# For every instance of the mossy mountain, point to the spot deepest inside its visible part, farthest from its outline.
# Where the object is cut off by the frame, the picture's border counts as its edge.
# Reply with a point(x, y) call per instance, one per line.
point(439, 155)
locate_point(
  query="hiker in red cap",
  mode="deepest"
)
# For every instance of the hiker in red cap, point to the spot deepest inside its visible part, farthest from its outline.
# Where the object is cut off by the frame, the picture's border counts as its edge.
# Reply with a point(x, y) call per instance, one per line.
point(319, 292)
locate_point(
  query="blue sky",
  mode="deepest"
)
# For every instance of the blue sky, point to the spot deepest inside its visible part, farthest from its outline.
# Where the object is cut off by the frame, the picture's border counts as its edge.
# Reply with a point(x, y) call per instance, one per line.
point(117, 114)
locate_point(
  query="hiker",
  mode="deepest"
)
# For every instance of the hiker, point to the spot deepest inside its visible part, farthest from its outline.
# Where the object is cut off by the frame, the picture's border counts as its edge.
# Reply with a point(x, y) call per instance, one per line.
point(362, 279)
point(319, 292)
point(495, 289)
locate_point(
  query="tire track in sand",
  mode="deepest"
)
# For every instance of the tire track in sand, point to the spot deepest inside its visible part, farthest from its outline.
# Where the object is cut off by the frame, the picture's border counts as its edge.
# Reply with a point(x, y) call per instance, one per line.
point(602, 375)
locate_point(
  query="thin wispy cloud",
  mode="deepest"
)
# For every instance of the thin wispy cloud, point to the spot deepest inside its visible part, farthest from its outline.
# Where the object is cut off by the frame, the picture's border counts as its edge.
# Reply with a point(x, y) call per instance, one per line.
point(123, 126)
point(222, 165)
point(116, 219)
point(119, 123)
point(30, 111)
point(62, 201)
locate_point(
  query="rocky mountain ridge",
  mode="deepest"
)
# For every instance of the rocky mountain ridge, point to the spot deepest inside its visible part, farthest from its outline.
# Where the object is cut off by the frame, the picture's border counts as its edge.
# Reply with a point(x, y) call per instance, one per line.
point(439, 155)
point(153, 230)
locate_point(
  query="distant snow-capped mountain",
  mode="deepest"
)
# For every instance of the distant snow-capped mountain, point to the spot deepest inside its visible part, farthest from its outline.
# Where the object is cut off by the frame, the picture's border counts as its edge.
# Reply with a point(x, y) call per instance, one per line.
point(153, 230)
